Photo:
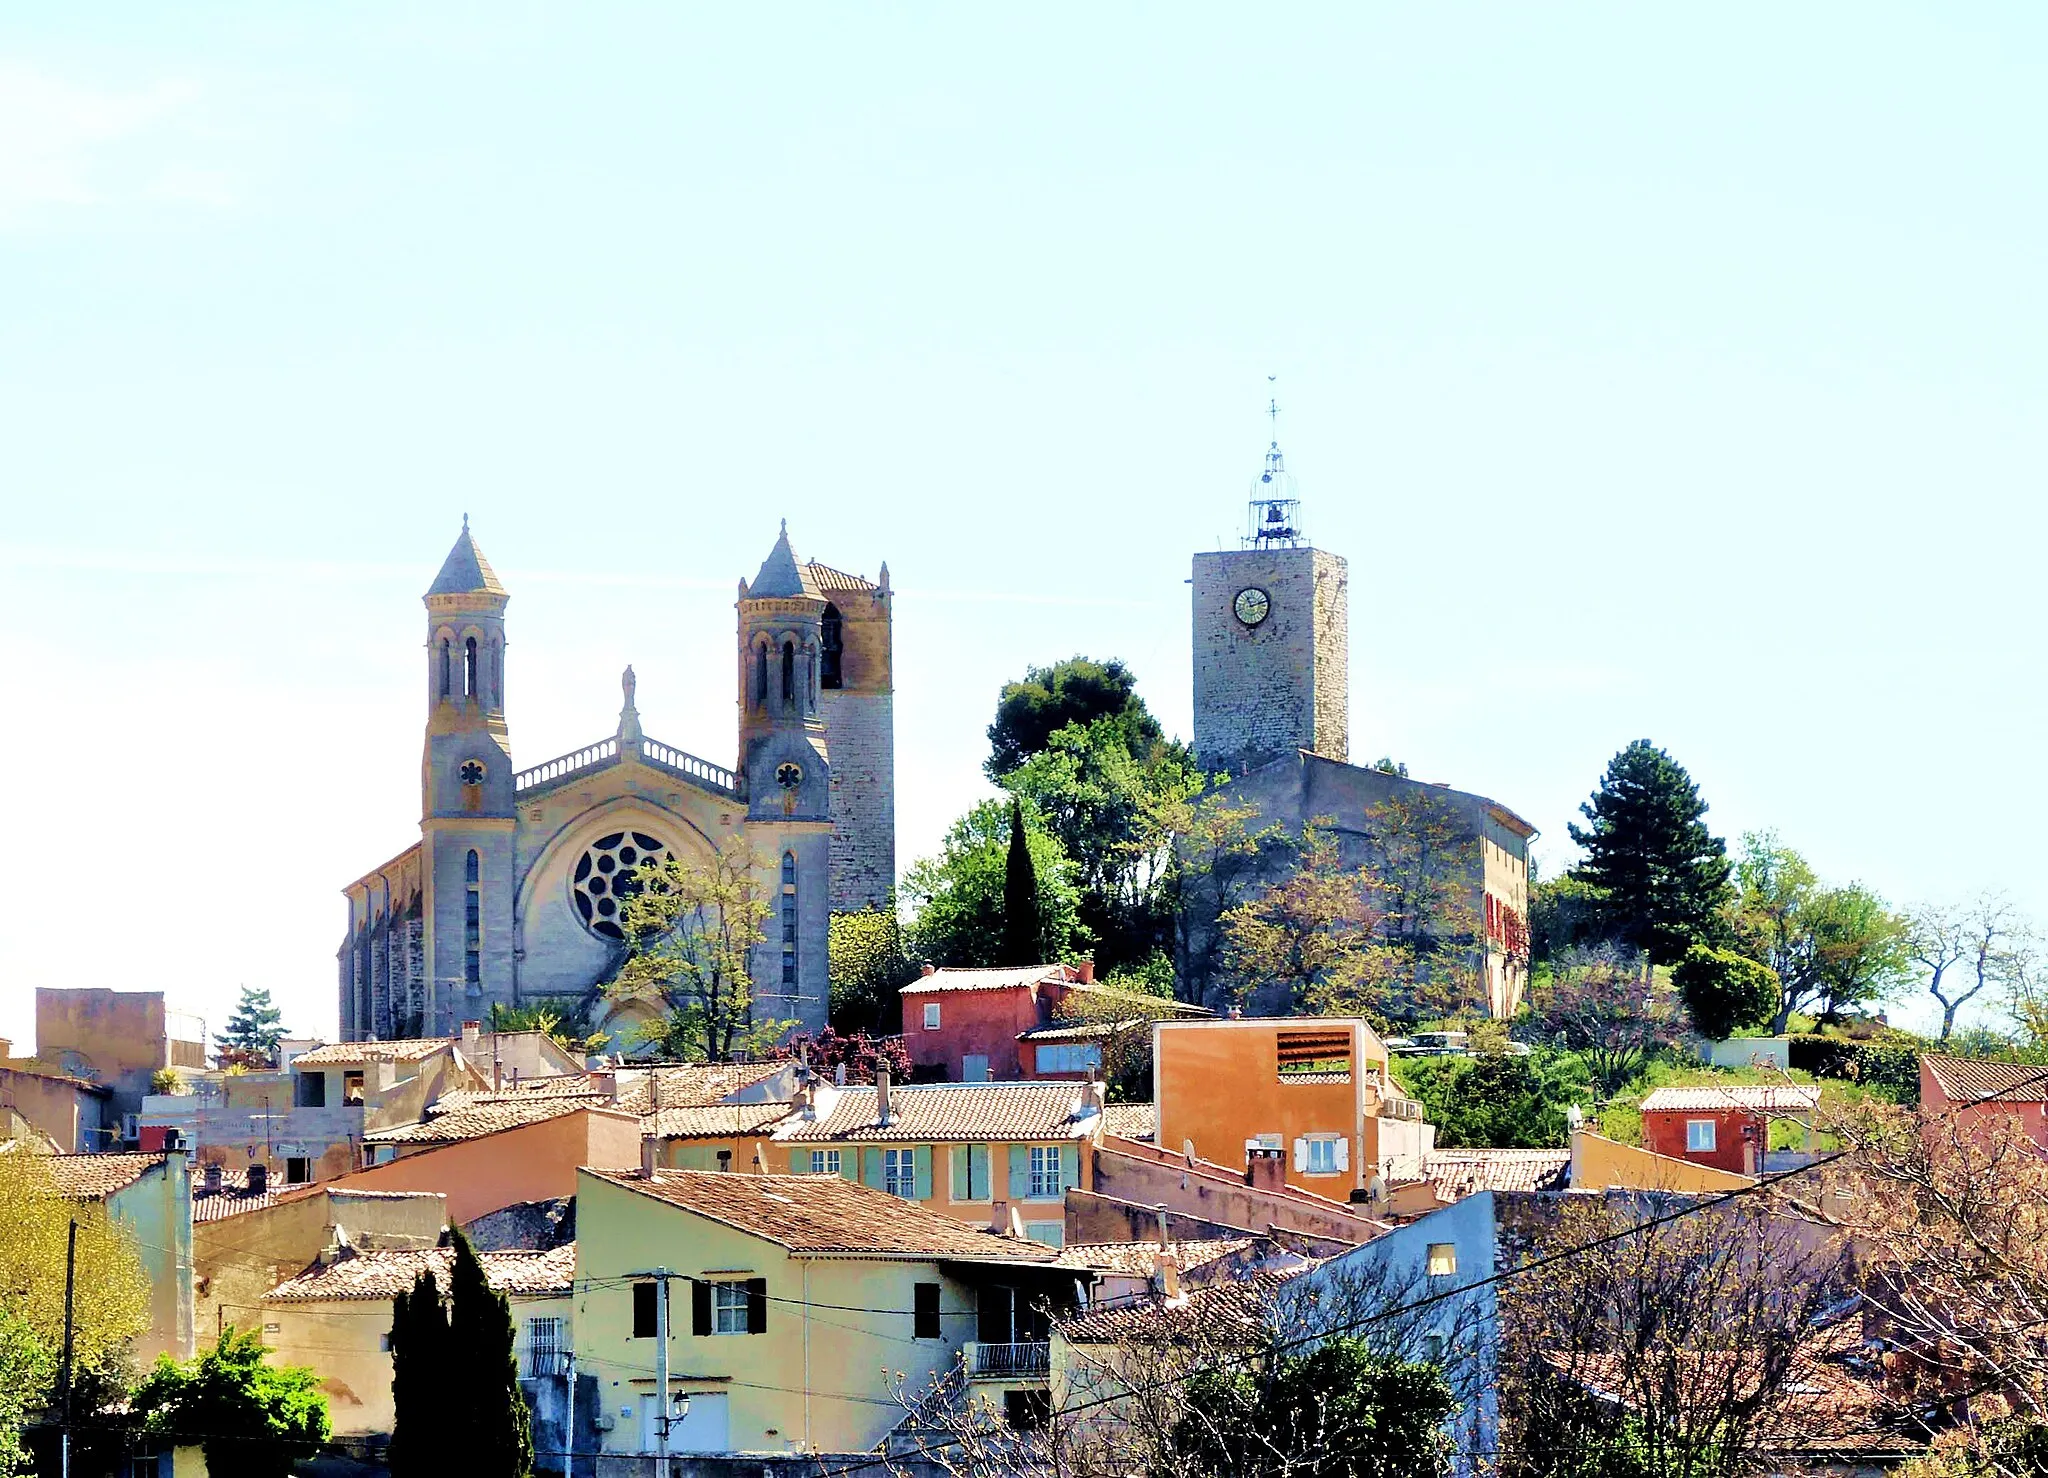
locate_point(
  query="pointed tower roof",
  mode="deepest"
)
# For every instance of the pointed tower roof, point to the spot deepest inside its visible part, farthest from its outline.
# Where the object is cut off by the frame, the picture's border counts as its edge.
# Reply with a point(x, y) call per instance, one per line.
point(779, 575)
point(465, 571)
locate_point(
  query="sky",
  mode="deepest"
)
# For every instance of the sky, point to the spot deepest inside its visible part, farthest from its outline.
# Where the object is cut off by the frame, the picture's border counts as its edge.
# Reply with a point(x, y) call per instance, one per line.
point(1667, 372)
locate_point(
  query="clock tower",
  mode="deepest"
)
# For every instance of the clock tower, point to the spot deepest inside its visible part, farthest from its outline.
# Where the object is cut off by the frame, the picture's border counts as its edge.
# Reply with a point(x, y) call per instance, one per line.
point(1272, 638)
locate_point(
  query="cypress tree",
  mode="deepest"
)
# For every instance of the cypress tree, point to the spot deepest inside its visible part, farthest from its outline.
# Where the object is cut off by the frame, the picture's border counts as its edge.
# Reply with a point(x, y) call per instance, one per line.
point(487, 1415)
point(1662, 877)
point(1022, 938)
point(419, 1383)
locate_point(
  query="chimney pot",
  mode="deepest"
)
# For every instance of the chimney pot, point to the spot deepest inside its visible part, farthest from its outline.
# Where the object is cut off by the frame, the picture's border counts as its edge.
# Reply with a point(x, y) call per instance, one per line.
point(928, 969)
point(471, 1031)
point(650, 1155)
point(1087, 969)
point(839, 1076)
point(1265, 1169)
point(999, 1218)
point(6, 1048)
point(259, 1179)
point(654, 1089)
point(213, 1179)
point(882, 1092)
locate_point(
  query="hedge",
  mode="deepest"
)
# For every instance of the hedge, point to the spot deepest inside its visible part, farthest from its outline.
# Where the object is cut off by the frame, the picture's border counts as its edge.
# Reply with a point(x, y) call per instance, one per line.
point(1893, 1071)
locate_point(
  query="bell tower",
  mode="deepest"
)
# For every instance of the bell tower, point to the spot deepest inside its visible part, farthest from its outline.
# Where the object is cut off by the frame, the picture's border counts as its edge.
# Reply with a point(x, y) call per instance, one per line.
point(1272, 636)
point(466, 794)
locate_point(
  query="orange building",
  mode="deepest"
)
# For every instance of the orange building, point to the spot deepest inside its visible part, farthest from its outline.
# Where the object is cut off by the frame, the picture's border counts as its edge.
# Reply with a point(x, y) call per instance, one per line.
point(1726, 1126)
point(1311, 1094)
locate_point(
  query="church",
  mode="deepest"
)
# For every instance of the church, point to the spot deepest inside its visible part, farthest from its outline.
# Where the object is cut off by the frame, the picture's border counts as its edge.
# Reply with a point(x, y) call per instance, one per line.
point(511, 894)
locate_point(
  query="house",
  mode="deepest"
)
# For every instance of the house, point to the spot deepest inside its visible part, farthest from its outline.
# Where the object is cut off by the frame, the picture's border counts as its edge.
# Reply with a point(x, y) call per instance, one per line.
point(792, 1305)
point(1971, 1088)
point(1311, 1092)
point(991, 1154)
point(1724, 1126)
point(1032, 1022)
point(336, 1317)
point(71, 1116)
point(244, 1242)
point(118, 1039)
point(150, 1195)
point(1449, 1176)
point(1137, 1187)
point(1600, 1164)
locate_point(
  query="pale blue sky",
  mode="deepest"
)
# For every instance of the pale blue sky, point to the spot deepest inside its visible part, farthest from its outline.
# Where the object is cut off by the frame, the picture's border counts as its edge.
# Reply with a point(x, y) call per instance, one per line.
point(1661, 372)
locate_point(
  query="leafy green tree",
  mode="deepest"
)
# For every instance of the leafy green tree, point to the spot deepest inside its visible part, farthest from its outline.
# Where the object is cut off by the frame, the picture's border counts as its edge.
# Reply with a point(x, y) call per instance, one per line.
point(1603, 1007)
point(252, 1033)
point(1861, 950)
point(489, 1420)
point(1565, 914)
point(1497, 1100)
point(1215, 853)
point(1724, 991)
point(569, 1032)
point(1023, 938)
point(1662, 877)
point(28, 1366)
point(1076, 691)
point(691, 931)
point(869, 964)
point(1423, 883)
point(956, 898)
point(1832, 948)
point(1311, 941)
point(419, 1392)
point(1339, 1410)
point(252, 1419)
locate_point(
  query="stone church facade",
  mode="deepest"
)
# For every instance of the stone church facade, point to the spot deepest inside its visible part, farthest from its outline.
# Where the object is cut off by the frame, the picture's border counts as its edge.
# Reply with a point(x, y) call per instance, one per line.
point(510, 896)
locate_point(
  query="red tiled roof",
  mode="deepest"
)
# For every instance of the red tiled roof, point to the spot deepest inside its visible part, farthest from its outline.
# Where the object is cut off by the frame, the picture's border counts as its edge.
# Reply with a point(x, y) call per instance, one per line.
point(478, 1120)
point(1131, 1120)
point(348, 1054)
point(95, 1177)
point(1465, 1172)
point(1974, 1080)
point(935, 1113)
point(717, 1120)
point(383, 1275)
point(826, 1214)
point(1008, 977)
point(1138, 1259)
point(694, 1083)
point(1761, 1097)
point(822, 579)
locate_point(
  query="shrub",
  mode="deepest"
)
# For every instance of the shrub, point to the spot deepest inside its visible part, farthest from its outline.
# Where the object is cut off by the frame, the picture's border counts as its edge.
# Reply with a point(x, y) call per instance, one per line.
point(1889, 1069)
point(1724, 991)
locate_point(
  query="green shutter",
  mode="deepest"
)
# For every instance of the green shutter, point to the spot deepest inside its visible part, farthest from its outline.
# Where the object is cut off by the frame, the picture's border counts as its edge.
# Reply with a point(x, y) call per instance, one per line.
point(977, 1172)
point(1070, 1166)
point(1020, 1172)
point(871, 1168)
point(799, 1162)
point(921, 1163)
point(961, 1186)
point(849, 1164)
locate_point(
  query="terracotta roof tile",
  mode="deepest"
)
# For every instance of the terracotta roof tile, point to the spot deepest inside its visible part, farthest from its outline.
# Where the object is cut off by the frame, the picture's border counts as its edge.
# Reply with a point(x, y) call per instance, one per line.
point(233, 1197)
point(94, 1177)
point(1131, 1120)
point(717, 1120)
point(826, 1214)
point(1973, 1080)
point(1139, 1258)
point(383, 1275)
point(477, 1120)
point(348, 1054)
point(1011, 977)
point(1464, 1172)
point(697, 1083)
point(822, 579)
point(1763, 1097)
point(935, 1113)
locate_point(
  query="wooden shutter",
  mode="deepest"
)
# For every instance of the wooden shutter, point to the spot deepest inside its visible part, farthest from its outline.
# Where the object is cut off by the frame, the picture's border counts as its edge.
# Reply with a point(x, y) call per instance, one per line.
point(960, 1176)
point(921, 1172)
point(800, 1162)
point(1344, 1154)
point(757, 1305)
point(1301, 1154)
point(643, 1310)
point(870, 1167)
point(1020, 1172)
point(925, 1311)
point(1070, 1166)
point(700, 1306)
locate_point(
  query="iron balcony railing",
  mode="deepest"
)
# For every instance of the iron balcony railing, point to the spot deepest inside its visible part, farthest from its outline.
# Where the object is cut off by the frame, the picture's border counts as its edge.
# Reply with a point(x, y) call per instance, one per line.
point(1002, 1362)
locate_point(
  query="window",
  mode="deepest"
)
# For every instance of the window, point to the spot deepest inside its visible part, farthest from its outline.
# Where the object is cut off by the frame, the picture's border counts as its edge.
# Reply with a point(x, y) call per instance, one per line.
point(609, 873)
point(1433, 1348)
point(645, 1319)
point(761, 675)
point(824, 1162)
point(311, 1090)
point(1069, 1057)
point(447, 667)
point(899, 1173)
point(924, 1319)
point(1443, 1259)
point(351, 1087)
point(1048, 1233)
point(1027, 1411)
point(1322, 1155)
point(547, 1350)
point(974, 1067)
point(1045, 1173)
point(1699, 1136)
point(297, 1170)
point(789, 918)
point(831, 647)
point(788, 673)
point(469, 684)
point(728, 1306)
point(931, 1016)
point(473, 922)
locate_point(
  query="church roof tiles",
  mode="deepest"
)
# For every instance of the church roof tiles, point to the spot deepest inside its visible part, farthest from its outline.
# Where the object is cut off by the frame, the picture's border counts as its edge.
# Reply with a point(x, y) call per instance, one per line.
point(465, 571)
point(823, 580)
point(779, 576)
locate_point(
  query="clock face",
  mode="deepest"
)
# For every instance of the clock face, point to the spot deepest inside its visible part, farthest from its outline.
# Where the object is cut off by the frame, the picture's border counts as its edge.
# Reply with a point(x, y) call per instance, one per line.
point(1252, 605)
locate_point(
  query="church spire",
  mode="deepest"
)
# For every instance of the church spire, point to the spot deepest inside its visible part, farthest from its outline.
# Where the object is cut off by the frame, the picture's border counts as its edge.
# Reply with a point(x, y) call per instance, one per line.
point(1273, 516)
point(779, 576)
point(465, 571)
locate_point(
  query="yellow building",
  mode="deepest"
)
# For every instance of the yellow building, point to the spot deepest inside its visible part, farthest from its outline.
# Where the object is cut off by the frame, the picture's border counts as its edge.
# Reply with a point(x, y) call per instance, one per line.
point(1599, 1163)
point(791, 1300)
point(336, 1317)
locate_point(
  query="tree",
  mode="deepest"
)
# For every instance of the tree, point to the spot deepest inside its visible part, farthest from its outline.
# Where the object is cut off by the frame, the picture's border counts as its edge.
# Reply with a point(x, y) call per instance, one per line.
point(1966, 950)
point(1023, 936)
point(491, 1426)
point(1212, 853)
point(252, 1419)
point(1312, 940)
point(862, 1056)
point(691, 931)
point(1424, 880)
point(252, 1033)
point(571, 1033)
point(956, 898)
point(1859, 950)
point(1830, 947)
point(868, 965)
point(1076, 691)
point(1600, 1005)
point(1496, 1100)
point(1662, 877)
point(1723, 991)
point(420, 1363)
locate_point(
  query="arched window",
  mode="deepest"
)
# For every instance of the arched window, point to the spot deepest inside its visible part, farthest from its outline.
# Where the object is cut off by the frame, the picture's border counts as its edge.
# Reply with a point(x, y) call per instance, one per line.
point(761, 675)
point(789, 919)
point(469, 672)
point(473, 920)
point(447, 675)
point(831, 642)
point(788, 672)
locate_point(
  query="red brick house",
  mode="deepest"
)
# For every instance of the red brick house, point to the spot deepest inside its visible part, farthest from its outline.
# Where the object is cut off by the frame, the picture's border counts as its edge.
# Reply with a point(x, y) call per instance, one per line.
point(980, 1026)
point(1972, 1089)
point(1726, 1126)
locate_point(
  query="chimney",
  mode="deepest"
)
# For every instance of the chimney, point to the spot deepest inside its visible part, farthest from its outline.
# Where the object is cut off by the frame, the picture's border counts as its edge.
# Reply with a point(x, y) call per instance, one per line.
point(259, 1179)
point(1264, 1169)
point(471, 1032)
point(605, 1083)
point(882, 1093)
point(6, 1048)
point(212, 1181)
point(928, 968)
point(1094, 1093)
point(383, 1075)
point(839, 1076)
point(650, 1155)
point(1087, 969)
point(1166, 1273)
point(654, 1089)
point(999, 1218)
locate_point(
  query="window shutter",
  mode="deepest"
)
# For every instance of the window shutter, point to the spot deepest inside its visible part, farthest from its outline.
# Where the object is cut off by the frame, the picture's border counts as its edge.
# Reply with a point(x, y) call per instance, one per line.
point(962, 1176)
point(871, 1168)
point(1301, 1154)
point(700, 1306)
point(757, 1305)
point(1020, 1172)
point(1070, 1166)
point(925, 1311)
point(849, 1164)
point(1344, 1153)
point(921, 1176)
point(799, 1162)
point(643, 1310)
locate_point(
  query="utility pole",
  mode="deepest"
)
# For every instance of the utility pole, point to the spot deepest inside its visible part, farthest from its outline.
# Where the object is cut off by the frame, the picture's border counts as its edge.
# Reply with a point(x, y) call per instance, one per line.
point(569, 1424)
point(70, 1282)
point(660, 1371)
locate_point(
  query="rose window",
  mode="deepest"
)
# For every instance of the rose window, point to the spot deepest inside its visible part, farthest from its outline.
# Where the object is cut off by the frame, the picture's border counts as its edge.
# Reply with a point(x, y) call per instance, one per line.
point(608, 874)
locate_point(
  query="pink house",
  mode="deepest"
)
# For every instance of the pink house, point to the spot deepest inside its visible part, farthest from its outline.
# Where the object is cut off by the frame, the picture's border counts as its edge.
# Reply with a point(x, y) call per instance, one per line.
point(1974, 1089)
point(980, 1026)
point(1726, 1126)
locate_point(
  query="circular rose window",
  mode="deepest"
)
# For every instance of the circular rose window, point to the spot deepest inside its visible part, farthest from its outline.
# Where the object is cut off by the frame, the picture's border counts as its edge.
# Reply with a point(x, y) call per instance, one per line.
point(608, 874)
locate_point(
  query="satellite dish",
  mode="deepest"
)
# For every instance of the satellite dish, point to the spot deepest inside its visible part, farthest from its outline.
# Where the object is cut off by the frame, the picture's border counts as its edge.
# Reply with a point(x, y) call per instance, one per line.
point(1376, 1192)
point(1187, 1147)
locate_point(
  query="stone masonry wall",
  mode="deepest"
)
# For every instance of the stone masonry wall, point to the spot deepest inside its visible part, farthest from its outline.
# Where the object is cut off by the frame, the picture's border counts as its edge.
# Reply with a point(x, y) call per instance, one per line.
point(860, 731)
point(1263, 691)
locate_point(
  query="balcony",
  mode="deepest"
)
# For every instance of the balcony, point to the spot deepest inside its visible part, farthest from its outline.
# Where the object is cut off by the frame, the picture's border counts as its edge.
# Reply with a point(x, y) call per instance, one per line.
point(1030, 1360)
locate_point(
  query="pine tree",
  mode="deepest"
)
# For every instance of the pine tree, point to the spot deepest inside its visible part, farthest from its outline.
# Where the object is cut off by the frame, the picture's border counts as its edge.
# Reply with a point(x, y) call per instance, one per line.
point(419, 1382)
point(1662, 878)
point(1022, 938)
point(253, 1032)
point(487, 1416)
